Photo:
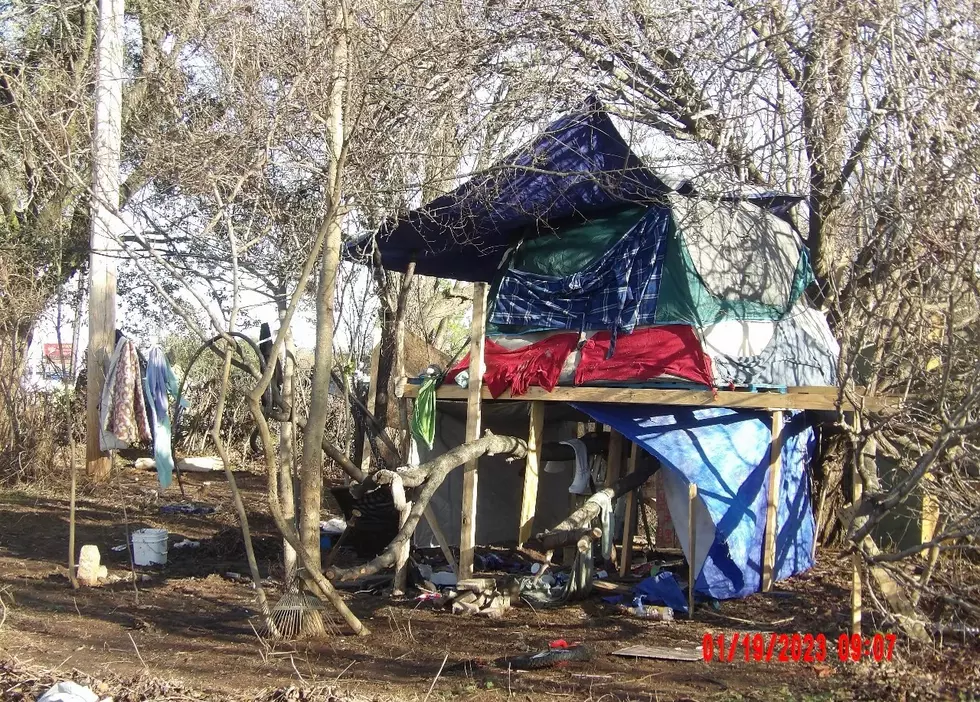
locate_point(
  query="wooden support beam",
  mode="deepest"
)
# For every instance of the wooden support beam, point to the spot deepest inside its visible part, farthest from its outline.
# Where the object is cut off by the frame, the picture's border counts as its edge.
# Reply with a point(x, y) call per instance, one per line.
point(692, 540)
point(614, 459)
point(530, 497)
point(772, 502)
point(798, 398)
point(440, 535)
point(474, 400)
point(629, 512)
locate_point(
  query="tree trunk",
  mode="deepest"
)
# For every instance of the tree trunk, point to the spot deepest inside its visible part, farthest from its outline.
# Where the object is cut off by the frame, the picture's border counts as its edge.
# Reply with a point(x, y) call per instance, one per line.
point(287, 444)
point(311, 487)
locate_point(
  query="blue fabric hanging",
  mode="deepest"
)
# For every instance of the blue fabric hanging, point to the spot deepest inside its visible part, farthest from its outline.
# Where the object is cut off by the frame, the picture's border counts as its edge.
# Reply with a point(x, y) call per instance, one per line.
point(159, 383)
point(725, 452)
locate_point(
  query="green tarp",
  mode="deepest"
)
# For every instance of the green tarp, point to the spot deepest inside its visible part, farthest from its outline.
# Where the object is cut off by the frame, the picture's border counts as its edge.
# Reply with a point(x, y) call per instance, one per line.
point(574, 246)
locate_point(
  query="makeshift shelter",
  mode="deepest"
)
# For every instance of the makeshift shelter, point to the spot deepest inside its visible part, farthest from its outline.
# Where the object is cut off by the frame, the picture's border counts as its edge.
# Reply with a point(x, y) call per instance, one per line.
point(658, 312)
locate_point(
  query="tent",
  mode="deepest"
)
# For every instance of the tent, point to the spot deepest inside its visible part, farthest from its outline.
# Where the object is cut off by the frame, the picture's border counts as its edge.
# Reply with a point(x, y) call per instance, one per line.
point(603, 275)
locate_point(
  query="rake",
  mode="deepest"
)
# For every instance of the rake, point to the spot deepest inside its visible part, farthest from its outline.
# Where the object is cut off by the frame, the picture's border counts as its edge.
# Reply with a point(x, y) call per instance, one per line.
point(298, 613)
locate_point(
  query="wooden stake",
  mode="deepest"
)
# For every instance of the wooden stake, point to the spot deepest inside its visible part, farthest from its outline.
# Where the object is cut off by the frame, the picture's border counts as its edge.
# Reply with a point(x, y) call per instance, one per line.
point(106, 145)
point(772, 502)
point(692, 496)
point(530, 497)
point(625, 561)
point(467, 536)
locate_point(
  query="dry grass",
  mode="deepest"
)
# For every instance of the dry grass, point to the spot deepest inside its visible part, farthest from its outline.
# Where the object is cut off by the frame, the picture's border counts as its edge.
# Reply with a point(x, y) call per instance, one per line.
point(21, 681)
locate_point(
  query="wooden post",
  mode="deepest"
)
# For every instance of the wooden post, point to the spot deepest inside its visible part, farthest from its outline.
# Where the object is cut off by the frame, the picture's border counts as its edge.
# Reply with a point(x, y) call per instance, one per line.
point(371, 399)
point(930, 513)
point(404, 427)
point(627, 557)
point(772, 502)
point(106, 144)
point(857, 489)
point(614, 459)
point(467, 536)
point(692, 539)
point(530, 497)
point(614, 466)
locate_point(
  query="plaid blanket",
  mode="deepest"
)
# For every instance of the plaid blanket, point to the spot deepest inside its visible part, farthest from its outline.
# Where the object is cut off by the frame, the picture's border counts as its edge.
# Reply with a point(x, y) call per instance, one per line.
point(616, 292)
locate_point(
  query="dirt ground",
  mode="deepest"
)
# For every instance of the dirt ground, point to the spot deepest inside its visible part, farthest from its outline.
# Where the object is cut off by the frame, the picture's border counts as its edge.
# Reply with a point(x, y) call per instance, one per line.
point(185, 631)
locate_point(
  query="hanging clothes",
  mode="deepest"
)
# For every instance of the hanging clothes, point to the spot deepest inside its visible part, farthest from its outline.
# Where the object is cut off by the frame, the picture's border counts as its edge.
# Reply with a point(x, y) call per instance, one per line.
point(161, 383)
point(538, 364)
point(123, 418)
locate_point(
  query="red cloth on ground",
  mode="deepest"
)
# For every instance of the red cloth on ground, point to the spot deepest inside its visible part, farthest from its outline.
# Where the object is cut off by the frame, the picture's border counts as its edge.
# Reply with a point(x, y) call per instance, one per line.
point(537, 364)
point(672, 349)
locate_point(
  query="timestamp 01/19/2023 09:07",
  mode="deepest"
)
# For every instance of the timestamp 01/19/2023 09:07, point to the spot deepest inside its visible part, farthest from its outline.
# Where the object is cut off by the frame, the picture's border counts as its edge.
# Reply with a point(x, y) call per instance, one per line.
point(794, 648)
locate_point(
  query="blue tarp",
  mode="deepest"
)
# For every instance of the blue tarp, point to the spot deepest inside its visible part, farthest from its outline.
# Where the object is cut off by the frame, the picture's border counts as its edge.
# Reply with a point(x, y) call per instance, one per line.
point(580, 165)
point(725, 452)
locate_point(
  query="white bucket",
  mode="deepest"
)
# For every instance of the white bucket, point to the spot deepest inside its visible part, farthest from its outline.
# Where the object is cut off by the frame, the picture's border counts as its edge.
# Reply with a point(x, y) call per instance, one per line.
point(150, 547)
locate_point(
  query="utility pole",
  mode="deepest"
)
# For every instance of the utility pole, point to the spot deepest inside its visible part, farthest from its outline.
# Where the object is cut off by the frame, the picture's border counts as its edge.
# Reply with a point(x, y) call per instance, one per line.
point(106, 146)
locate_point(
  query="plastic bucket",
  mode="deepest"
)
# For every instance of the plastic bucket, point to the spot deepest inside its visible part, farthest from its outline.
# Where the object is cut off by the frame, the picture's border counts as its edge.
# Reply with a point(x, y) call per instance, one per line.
point(150, 547)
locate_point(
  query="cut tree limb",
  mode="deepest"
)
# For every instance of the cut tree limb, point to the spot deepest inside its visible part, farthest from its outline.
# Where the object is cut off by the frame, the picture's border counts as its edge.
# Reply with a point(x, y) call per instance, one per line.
point(583, 517)
point(434, 473)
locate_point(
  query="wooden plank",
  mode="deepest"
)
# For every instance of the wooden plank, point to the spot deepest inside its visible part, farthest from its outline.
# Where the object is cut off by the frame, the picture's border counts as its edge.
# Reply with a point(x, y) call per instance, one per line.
point(467, 536)
point(530, 498)
point(371, 399)
point(686, 398)
point(626, 560)
point(772, 502)
point(661, 652)
point(692, 540)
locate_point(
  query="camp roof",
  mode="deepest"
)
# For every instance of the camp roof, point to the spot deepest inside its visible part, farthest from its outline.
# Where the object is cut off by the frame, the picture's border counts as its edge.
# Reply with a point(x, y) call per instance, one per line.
point(578, 166)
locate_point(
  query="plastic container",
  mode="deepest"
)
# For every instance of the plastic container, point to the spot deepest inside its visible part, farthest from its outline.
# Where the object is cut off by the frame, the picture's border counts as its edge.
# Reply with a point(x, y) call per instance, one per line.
point(150, 547)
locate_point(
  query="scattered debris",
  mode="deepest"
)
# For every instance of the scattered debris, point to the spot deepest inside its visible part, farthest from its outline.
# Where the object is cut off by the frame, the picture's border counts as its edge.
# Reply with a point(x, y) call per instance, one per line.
point(334, 526)
point(559, 652)
point(661, 653)
point(68, 691)
point(653, 612)
point(661, 588)
point(480, 596)
point(187, 508)
point(443, 579)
